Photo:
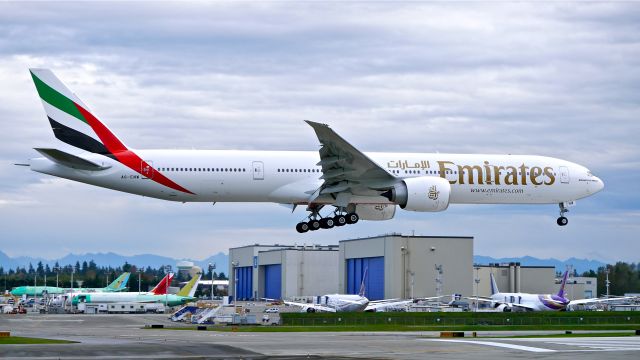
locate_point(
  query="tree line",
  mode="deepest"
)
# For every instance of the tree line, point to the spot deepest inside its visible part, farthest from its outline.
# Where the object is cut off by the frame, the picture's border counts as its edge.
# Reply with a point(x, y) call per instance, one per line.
point(624, 278)
point(91, 275)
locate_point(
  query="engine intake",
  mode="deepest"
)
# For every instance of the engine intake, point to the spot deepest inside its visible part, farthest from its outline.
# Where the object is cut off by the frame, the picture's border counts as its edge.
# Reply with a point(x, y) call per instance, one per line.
point(425, 194)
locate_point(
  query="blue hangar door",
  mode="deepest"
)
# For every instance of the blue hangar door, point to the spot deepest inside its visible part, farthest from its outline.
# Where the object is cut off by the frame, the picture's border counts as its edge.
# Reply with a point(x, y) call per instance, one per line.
point(374, 283)
point(244, 282)
point(273, 281)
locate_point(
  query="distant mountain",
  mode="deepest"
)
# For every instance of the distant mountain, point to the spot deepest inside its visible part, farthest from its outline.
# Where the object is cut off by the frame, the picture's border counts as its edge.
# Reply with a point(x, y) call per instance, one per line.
point(115, 260)
point(580, 265)
point(222, 261)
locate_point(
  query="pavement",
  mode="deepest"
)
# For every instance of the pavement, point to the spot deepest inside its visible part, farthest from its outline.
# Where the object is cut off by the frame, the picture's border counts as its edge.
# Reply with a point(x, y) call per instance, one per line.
point(123, 337)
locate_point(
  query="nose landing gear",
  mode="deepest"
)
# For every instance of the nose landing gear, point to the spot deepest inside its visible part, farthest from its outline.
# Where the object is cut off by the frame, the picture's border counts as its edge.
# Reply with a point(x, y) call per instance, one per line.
point(562, 220)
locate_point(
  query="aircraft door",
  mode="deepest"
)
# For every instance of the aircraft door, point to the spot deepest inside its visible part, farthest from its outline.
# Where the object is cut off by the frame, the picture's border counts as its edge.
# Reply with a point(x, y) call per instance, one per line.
point(564, 174)
point(258, 170)
point(146, 169)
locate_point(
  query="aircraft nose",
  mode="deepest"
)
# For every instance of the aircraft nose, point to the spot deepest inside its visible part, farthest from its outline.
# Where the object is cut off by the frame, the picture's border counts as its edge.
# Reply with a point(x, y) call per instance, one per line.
point(599, 185)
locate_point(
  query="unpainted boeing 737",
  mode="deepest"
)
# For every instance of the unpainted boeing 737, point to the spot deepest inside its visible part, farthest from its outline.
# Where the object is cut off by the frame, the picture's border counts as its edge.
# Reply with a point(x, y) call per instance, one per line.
point(357, 185)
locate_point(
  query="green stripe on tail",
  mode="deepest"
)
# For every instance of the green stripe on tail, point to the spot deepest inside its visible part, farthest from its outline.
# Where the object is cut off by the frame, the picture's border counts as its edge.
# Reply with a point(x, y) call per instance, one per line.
point(54, 98)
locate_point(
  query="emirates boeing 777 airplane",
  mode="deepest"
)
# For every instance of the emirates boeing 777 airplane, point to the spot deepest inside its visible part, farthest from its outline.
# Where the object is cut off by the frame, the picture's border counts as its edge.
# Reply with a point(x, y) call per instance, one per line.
point(357, 185)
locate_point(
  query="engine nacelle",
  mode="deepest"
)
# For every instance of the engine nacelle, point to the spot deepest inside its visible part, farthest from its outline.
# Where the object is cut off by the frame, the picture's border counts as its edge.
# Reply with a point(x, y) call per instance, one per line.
point(425, 193)
point(375, 212)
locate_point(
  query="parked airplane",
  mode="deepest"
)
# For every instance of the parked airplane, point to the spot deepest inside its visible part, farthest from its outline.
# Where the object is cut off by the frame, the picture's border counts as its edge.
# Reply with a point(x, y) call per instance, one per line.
point(119, 284)
point(536, 302)
point(357, 185)
point(353, 303)
point(63, 299)
point(157, 295)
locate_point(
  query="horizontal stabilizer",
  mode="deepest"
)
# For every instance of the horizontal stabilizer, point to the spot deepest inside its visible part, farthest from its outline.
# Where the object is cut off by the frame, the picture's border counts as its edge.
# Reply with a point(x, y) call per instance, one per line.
point(69, 160)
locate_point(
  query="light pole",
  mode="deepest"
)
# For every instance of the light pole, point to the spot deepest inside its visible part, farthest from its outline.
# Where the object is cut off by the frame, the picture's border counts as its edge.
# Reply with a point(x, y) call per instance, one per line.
point(211, 268)
point(56, 269)
point(607, 282)
point(73, 270)
point(35, 288)
point(167, 269)
point(477, 281)
point(139, 280)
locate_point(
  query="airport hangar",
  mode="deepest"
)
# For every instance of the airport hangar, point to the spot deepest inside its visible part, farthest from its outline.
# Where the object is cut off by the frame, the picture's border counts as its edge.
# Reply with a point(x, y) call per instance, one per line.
point(398, 266)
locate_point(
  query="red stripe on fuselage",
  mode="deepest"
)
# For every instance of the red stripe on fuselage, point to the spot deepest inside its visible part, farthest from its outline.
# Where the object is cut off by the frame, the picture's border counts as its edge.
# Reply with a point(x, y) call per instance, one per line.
point(124, 155)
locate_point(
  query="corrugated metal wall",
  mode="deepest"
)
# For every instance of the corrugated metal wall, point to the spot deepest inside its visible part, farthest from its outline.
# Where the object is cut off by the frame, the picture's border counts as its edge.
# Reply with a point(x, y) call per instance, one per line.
point(273, 281)
point(374, 283)
point(244, 282)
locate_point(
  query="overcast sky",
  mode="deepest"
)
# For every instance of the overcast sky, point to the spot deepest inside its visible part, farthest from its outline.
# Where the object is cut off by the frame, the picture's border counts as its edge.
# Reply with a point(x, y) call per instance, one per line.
point(555, 79)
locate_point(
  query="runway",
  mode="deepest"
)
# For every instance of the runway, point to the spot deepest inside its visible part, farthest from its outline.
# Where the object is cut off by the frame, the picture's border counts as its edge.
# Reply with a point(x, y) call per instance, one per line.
point(123, 336)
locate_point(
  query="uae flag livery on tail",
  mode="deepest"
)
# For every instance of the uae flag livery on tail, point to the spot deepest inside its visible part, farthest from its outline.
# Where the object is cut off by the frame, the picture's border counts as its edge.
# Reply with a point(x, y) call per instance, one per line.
point(74, 124)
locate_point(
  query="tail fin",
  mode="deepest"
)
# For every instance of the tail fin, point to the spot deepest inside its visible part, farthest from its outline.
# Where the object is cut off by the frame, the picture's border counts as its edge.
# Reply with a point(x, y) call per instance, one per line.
point(494, 286)
point(563, 283)
point(362, 284)
point(70, 118)
point(163, 285)
point(119, 283)
point(190, 288)
point(74, 124)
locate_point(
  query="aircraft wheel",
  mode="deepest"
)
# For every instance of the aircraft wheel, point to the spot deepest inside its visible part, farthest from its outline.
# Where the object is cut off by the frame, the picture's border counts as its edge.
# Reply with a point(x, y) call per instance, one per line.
point(352, 218)
point(302, 227)
point(562, 221)
point(340, 220)
point(314, 225)
point(327, 223)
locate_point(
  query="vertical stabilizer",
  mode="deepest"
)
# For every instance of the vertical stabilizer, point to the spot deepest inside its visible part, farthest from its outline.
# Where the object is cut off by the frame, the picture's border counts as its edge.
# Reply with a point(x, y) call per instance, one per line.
point(494, 286)
point(363, 287)
point(190, 288)
point(119, 283)
point(163, 285)
point(563, 283)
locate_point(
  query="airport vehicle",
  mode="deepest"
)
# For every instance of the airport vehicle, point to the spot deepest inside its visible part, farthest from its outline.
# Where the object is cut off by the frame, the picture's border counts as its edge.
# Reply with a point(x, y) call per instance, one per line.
point(119, 284)
point(157, 295)
point(537, 302)
point(272, 310)
point(358, 185)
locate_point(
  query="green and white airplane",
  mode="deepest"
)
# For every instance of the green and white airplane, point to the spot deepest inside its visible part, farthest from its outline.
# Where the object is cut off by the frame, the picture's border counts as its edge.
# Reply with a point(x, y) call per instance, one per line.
point(119, 284)
point(184, 296)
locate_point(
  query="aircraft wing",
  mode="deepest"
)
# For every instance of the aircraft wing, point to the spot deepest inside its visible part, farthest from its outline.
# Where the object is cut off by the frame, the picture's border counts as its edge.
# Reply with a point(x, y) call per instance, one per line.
point(306, 306)
point(383, 305)
point(479, 298)
point(346, 169)
point(601, 300)
point(526, 307)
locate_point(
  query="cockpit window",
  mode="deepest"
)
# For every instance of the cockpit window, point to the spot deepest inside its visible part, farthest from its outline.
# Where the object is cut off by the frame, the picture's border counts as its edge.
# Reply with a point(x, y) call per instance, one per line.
point(589, 174)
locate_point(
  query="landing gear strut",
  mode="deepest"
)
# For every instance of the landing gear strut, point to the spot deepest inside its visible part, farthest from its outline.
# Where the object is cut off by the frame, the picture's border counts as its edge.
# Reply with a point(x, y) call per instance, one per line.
point(562, 220)
point(316, 221)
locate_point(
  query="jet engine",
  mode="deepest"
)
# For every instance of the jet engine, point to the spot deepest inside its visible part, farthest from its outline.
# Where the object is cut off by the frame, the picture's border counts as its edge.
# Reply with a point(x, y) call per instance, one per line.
point(425, 194)
point(503, 308)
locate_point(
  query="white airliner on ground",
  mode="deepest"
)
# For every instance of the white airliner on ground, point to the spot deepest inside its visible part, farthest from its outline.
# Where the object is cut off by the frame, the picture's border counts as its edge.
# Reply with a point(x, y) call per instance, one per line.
point(538, 302)
point(357, 185)
point(354, 303)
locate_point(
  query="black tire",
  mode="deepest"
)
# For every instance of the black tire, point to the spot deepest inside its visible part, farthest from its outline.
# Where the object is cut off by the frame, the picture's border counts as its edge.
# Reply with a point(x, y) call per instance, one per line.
point(302, 227)
point(314, 225)
point(562, 221)
point(340, 220)
point(327, 223)
point(352, 218)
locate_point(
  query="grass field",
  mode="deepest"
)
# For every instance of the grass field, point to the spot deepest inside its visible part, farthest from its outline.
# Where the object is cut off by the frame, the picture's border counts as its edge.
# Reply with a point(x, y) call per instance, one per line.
point(29, 340)
point(461, 321)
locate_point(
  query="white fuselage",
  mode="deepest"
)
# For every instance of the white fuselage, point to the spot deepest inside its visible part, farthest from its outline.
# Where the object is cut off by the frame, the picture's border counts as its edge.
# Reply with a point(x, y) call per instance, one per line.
point(531, 302)
point(345, 302)
point(291, 176)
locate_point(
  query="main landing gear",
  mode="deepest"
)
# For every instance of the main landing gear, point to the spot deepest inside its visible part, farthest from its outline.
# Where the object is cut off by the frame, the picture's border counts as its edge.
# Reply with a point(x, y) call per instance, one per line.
point(562, 220)
point(316, 221)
